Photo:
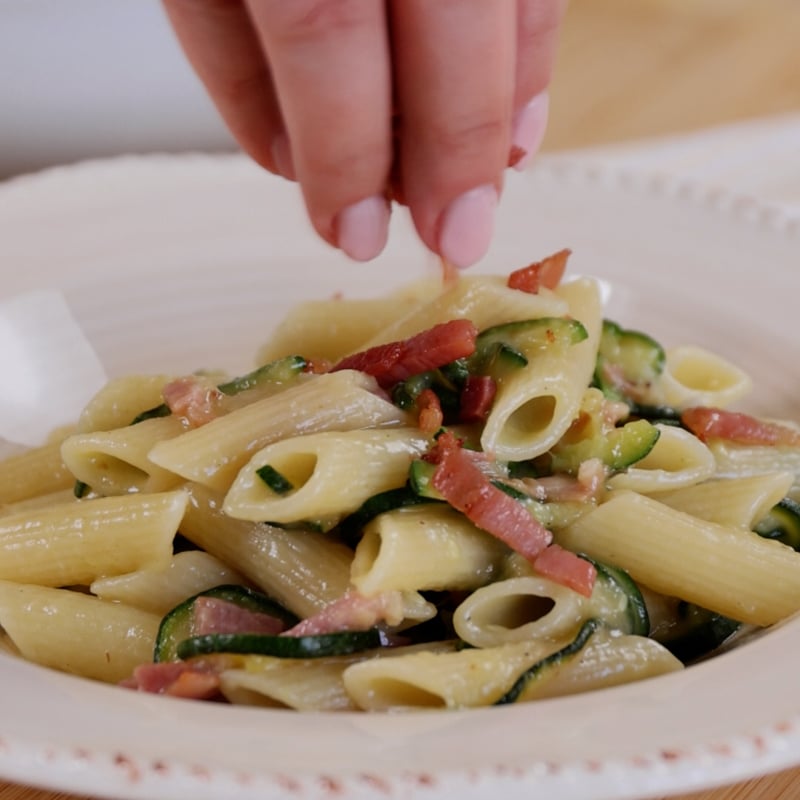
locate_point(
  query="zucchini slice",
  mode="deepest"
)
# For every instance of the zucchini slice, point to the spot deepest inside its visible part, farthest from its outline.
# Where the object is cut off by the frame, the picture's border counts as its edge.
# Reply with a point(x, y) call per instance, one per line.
point(508, 346)
point(278, 371)
point(176, 626)
point(351, 526)
point(626, 358)
point(318, 646)
point(420, 480)
point(274, 480)
point(540, 668)
point(446, 382)
point(617, 601)
point(697, 632)
point(618, 449)
point(782, 523)
point(282, 370)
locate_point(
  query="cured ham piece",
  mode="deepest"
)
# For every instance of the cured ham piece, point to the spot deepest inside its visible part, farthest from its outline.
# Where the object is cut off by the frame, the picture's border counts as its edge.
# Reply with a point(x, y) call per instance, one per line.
point(477, 397)
point(214, 615)
point(431, 415)
point(430, 349)
point(352, 612)
point(567, 569)
point(715, 423)
point(194, 399)
point(176, 679)
point(548, 273)
point(467, 489)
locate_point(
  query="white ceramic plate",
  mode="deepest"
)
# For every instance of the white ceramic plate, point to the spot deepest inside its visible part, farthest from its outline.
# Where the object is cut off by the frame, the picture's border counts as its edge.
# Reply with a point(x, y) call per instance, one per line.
point(173, 263)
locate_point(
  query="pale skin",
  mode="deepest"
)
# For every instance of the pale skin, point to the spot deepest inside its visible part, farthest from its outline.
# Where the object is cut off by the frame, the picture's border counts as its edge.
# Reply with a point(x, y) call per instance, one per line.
point(363, 101)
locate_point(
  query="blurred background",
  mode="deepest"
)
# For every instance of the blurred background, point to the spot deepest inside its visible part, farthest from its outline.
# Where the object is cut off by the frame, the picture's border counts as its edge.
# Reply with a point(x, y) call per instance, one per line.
point(92, 78)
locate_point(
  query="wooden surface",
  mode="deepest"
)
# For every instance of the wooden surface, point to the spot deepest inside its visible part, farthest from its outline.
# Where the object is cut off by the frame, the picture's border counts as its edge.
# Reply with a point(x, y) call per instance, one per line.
point(634, 68)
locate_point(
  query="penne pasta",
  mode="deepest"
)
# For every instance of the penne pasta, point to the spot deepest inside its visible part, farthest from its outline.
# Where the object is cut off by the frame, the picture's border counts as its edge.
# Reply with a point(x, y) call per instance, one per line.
point(301, 569)
point(75, 632)
point(76, 543)
point(678, 459)
point(740, 502)
point(313, 466)
point(484, 300)
point(214, 453)
point(753, 580)
point(159, 590)
point(695, 377)
point(117, 461)
point(498, 497)
point(424, 547)
point(535, 405)
point(328, 330)
point(34, 472)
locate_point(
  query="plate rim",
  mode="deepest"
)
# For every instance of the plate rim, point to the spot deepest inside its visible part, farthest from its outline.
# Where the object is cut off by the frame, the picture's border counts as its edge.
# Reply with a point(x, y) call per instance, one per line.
point(767, 749)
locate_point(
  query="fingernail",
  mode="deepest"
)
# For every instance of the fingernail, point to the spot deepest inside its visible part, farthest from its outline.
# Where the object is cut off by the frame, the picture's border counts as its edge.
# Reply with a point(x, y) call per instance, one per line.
point(362, 228)
point(527, 131)
point(467, 226)
point(282, 157)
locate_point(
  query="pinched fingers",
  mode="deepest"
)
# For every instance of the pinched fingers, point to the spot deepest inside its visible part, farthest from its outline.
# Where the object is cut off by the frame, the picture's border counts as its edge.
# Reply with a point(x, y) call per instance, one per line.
point(330, 61)
point(454, 66)
point(310, 89)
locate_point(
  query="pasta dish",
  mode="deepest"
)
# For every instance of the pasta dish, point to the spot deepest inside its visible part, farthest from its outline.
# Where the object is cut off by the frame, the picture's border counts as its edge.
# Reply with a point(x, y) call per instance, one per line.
point(473, 491)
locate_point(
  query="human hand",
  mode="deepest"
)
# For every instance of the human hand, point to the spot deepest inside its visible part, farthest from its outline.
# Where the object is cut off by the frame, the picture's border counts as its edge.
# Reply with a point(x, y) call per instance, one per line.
point(311, 88)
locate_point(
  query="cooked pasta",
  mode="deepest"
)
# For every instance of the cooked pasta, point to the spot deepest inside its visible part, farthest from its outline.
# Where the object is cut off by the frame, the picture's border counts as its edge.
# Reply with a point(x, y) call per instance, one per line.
point(465, 493)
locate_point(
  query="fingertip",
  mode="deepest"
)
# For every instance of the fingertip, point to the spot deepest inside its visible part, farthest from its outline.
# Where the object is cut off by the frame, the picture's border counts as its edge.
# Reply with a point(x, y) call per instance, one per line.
point(282, 160)
point(527, 131)
point(362, 228)
point(467, 225)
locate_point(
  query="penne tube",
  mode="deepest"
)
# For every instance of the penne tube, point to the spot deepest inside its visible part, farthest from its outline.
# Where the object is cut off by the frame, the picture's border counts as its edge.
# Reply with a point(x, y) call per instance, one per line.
point(723, 568)
point(314, 466)
point(328, 330)
point(118, 462)
point(678, 459)
point(424, 547)
point(536, 404)
point(118, 403)
point(34, 472)
point(693, 376)
point(214, 453)
point(741, 502)
point(39, 501)
point(313, 684)
point(75, 632)
point(301, 569)
point(463, 679)
point(517, 610)
point(78, 542)
point(160, 590)
point(608, 659)
point(485, 300)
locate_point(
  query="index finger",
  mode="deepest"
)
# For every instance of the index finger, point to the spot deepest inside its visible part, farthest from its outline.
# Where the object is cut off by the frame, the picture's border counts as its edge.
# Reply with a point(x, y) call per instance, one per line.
point(330, 64)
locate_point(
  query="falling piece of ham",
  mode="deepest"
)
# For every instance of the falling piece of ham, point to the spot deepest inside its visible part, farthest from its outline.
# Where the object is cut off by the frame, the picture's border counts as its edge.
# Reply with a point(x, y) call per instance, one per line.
point(546, 273)
point(467, 489)
point(432, 348)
